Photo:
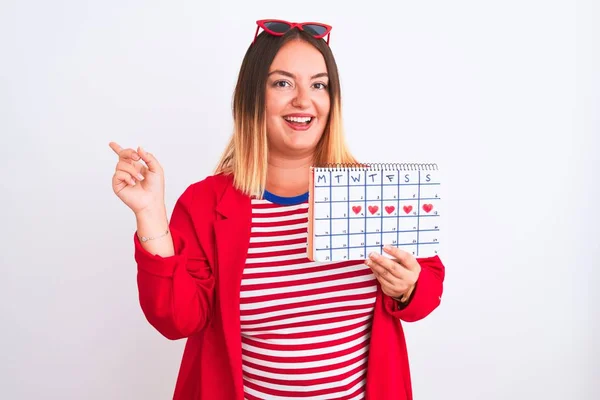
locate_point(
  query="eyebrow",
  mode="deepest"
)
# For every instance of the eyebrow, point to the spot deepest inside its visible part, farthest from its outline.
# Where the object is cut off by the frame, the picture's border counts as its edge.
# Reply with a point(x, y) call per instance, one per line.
point(282, 72)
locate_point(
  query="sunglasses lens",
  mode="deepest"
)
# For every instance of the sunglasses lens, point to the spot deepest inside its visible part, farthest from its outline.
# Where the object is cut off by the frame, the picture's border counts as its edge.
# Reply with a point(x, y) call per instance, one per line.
point(316, 30)
point(278, 27)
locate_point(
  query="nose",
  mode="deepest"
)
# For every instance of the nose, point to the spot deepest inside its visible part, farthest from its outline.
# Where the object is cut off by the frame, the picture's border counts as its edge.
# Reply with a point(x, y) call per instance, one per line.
point(302, 98)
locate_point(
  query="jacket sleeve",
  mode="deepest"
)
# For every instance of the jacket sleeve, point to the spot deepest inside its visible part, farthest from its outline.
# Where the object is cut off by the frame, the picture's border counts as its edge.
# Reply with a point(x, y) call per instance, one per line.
point(426, 296)
point(176, 293)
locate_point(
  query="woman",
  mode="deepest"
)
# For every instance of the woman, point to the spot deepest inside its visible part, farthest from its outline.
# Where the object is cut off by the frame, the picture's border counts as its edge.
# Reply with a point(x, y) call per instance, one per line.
point(230, 273)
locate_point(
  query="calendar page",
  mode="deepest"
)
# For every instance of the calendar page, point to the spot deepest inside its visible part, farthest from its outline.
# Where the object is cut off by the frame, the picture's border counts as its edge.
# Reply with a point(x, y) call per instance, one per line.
point(354, 211)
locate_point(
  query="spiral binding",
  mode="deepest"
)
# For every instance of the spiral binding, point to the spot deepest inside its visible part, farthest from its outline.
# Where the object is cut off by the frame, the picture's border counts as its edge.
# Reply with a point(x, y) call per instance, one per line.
point(377, 167)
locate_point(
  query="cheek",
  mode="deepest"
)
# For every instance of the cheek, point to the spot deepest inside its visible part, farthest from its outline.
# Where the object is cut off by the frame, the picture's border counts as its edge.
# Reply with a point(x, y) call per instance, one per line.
point(270, 108)
point(323, 106)
point(275, 104)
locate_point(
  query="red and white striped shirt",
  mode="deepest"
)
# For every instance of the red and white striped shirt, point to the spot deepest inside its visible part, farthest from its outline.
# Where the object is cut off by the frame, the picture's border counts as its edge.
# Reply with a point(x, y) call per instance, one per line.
point(305, 325)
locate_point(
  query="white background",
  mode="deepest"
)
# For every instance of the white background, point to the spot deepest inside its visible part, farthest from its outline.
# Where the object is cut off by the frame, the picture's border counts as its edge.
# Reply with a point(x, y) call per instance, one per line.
point(504, 95)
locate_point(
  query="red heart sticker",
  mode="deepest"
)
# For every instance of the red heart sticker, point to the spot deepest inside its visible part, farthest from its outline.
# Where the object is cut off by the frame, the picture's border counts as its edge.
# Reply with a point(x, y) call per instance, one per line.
point(390, 209)
point(407, 209)
point(427, 207)
point(356, 209)
point(373, 209)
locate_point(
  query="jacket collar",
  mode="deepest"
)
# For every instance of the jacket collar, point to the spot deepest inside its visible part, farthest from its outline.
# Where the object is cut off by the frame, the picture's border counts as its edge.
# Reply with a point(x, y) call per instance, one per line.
point(233, 204)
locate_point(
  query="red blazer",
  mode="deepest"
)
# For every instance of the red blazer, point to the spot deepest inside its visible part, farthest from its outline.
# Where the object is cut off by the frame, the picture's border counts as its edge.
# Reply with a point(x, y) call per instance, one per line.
point(195, 295)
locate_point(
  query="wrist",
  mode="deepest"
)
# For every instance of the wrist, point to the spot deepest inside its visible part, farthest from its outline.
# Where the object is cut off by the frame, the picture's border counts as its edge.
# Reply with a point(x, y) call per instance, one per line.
point(152, 222)
point(405, 297)
point(150, 213)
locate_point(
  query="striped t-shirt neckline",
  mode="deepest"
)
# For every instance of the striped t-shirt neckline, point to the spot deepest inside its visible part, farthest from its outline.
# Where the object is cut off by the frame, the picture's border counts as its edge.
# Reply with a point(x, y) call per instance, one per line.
point(285, 201)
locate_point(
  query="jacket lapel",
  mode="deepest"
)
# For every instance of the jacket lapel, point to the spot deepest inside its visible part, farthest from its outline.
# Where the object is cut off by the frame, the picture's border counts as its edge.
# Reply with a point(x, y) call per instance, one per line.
point(232, 235)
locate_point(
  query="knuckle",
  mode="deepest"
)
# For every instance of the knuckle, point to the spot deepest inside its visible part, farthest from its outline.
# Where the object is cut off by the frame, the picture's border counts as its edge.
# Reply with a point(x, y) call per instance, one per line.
point(126, 153)
point(123, 166)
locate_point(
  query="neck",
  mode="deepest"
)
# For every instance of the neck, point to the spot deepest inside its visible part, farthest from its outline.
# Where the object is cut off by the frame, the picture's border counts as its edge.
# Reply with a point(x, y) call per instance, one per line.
point(288, 177)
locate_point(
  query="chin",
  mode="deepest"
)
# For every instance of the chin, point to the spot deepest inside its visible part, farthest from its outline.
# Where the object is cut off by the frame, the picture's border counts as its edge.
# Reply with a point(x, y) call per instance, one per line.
point(301, 141)
point(297, 142)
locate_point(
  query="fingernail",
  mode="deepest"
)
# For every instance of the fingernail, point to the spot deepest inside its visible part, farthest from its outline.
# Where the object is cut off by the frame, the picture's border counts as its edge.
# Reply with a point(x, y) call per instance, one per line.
point(140, 177)
point(373, 255)
point(132, 182)
point(135, 156)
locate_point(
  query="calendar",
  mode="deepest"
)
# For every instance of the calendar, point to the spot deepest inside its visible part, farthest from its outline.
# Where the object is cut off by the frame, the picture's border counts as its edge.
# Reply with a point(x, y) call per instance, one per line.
point(357, 209)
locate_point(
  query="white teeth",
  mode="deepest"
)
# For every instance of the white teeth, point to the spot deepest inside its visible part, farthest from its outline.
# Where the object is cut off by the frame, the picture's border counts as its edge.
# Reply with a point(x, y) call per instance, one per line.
point(298, 119)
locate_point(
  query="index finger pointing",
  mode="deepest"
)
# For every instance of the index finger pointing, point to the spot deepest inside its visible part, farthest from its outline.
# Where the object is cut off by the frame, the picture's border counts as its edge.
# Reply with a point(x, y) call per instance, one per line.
point(116, 148)
point(126, 155)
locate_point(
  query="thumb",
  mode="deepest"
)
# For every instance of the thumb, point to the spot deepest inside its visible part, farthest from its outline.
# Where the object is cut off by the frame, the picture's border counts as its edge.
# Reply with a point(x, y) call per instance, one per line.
point(149, 159)
point(403, 257)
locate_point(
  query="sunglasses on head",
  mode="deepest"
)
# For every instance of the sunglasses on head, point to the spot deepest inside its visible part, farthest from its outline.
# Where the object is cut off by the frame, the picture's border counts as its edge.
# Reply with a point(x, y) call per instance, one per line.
point(278, 27)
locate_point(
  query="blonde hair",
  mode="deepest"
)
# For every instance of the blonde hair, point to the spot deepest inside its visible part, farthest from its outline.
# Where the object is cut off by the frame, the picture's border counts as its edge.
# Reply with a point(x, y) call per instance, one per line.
point(245, 156)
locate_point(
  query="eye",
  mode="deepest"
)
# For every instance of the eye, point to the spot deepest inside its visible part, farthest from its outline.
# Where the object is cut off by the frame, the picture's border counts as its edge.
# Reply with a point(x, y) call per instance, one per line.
point(322, 85)
point(280, 84)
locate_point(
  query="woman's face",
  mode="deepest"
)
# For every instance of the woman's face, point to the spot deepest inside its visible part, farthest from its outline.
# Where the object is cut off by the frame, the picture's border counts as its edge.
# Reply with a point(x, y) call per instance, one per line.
point(297, 100)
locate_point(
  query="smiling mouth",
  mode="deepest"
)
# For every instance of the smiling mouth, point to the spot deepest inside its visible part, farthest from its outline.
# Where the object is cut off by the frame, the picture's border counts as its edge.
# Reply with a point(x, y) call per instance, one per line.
point(299, 123)
point(302, 121)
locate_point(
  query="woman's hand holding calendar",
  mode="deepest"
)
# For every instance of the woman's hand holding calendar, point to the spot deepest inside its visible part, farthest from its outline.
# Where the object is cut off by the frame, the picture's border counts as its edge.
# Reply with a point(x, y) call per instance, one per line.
point(397, 276)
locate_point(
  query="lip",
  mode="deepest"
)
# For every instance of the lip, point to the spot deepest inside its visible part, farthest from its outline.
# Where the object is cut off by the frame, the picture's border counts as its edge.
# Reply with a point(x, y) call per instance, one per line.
point(298, 115)
point(300, 127)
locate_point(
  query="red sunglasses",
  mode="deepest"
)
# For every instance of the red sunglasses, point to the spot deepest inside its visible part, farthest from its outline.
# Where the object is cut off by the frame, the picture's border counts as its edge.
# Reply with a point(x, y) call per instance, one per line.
point(278, 27)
